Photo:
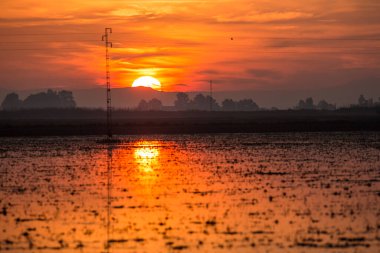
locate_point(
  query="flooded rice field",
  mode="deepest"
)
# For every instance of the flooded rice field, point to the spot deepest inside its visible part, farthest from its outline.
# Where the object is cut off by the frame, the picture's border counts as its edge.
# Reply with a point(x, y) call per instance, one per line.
point(191, 193)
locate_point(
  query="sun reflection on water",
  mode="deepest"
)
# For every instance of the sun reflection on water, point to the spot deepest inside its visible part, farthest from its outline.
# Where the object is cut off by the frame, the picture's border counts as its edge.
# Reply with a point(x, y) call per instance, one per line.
point(146, 156)
point(146, 153)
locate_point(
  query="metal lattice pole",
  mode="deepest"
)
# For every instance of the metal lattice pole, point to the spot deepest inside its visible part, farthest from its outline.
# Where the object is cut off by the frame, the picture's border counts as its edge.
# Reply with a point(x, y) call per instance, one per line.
point(108, 44)
point(211, 96)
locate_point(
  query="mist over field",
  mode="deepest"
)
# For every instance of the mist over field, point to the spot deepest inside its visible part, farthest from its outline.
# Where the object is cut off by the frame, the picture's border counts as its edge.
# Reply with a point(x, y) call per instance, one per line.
point(282, 99)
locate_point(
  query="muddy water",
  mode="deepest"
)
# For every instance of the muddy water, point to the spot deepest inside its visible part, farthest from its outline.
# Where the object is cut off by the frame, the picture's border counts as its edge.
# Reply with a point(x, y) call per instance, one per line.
point(201, 193)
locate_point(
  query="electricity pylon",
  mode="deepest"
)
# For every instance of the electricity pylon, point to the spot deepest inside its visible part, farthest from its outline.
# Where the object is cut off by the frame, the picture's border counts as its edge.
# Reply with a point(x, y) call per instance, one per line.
point(108, 44)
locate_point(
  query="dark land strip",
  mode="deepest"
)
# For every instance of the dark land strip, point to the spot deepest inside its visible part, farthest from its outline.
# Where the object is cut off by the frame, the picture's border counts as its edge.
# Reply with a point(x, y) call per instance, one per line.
point(60, 122)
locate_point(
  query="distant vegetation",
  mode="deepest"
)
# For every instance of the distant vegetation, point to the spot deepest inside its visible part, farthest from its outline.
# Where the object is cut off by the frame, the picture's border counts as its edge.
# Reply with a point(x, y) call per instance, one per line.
point(152, 105)
point(308, 104)
point(65, 100)
point(199, 103)
point(49, 99)
point(206, 103)
point(363, 102)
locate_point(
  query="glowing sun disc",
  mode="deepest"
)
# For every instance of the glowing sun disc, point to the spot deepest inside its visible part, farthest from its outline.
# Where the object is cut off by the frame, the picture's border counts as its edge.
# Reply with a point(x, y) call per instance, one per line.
point(147, 81)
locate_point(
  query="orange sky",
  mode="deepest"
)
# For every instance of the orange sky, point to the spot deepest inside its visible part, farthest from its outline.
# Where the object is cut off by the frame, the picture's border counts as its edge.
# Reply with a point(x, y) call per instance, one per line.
point(289, 44)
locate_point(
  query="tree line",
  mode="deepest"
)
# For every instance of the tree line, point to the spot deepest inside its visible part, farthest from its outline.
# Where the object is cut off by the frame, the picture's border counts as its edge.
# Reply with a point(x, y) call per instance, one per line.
point(308, 104)
point(48, 99)
point(207, 103)
point(200, 103)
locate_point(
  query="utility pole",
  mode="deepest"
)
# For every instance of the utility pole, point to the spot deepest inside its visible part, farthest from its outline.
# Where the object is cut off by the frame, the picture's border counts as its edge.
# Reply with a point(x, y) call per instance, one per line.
point(108, 44)
point(211, 96)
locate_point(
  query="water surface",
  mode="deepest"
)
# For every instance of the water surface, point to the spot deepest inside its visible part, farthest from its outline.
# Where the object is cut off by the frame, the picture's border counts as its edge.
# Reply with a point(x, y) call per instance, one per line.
point(191, 193)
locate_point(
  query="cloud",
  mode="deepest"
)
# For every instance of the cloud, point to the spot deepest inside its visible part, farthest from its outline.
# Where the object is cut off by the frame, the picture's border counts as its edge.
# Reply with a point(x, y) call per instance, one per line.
point(278, 43)
point(181, 85)
point(264, 17)
point(228, 83)
point(264, 73)
point(208, 72)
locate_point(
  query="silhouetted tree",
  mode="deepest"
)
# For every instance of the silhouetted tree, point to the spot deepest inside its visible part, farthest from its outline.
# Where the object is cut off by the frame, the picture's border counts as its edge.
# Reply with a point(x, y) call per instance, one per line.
point(142, 106)
point(50, 99)
point(11, 102)
point(362, 101)
point(308, 104)
point(183, 102)
point(67, 99)
point(241, 105)
point(155, 105)
point(212, 104)
point(301, 105)
point(247, 105)
point(323, 105)
point(204, 103)
point(228, 105)
point(200, 103)
point(152, 105)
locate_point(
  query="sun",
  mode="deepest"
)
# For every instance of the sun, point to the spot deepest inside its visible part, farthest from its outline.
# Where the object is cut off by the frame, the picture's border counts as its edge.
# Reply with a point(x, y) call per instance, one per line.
point(147, 81)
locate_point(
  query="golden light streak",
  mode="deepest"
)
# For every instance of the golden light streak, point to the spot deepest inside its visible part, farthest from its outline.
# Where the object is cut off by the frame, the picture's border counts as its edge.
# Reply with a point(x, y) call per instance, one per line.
point(146, 157)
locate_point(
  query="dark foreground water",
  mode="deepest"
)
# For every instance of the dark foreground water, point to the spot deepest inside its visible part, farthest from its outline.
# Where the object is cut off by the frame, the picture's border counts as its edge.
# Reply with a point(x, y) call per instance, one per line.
point(191, 193)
